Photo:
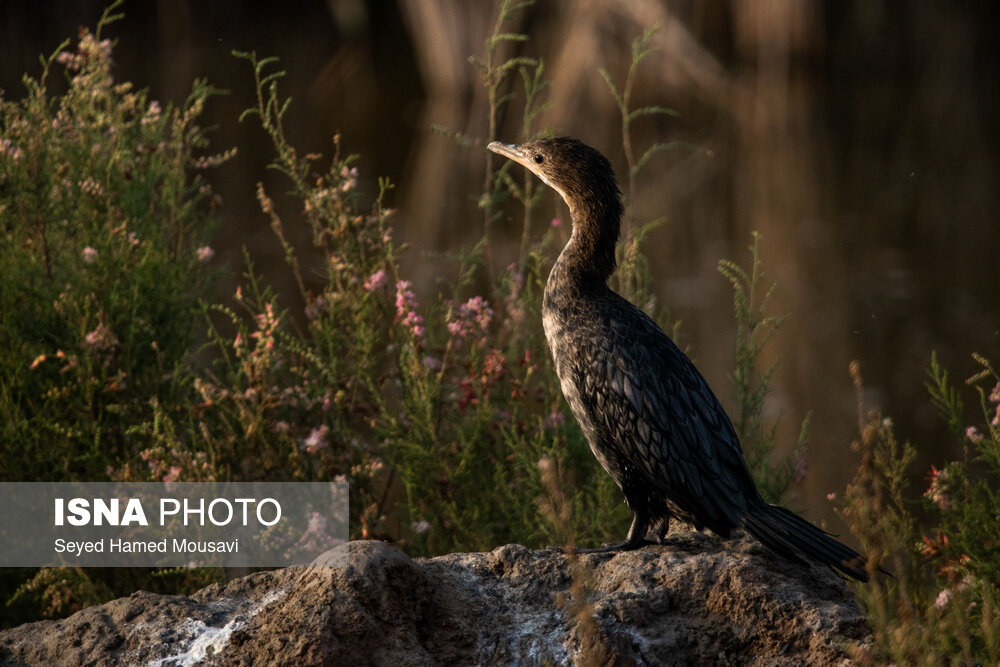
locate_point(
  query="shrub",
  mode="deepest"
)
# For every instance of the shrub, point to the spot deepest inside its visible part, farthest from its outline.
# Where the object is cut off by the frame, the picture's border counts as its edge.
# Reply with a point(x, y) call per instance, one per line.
point(941, 603)
point(102, 263)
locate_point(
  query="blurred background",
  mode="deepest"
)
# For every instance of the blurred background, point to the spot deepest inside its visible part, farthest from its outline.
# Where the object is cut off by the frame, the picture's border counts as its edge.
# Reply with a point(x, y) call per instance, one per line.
point(860, 138)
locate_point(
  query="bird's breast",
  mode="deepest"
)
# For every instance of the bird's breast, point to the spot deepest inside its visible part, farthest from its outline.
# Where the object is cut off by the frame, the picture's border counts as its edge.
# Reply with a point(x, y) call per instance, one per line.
point(563, 325)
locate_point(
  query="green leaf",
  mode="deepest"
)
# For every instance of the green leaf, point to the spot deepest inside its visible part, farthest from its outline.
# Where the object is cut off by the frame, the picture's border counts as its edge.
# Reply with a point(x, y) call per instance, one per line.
point(264, 62)
point(518, 62)
point(614, 89)
point(507, 37)
point(273, 76)
point(653, 150)
point(651, 111)
point(944, 396)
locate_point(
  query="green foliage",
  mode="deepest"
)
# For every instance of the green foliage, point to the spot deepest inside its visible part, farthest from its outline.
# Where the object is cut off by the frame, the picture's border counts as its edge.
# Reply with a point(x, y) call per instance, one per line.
point(439, 415)
point(752, 385)
point(446, 417)
point(641, 50)
point(965, 494)
point(633, 279)
point(105, 217)
point(102, 262)
point(497, 452)
point(494, 69)
point(60, 590)
point(941, 604)
point(290, 395)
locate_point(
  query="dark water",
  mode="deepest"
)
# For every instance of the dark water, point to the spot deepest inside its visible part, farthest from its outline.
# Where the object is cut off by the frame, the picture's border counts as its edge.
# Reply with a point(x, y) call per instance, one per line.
point(859, 138)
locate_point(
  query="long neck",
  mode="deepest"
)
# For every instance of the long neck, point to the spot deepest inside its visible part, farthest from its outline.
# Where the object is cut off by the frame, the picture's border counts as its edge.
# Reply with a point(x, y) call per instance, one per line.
point(589, 257)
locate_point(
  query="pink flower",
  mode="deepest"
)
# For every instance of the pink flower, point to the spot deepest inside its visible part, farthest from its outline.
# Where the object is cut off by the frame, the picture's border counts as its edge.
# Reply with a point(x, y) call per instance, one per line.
point(70, 61)
point(938, 492)
point(554, 420)
point(513, 305)
point(101, 338)
point(556, 222)
point(316, 439)
point(516, 277)
point(973, 434)
point(317, 307)
point(466, 318)
point(375, 281)
point(405, 299)
point(205, 253)
point(406, 302)
point(152, 113)
point(459, 328)
point(415, 323)
point(350, 178)
point(8, 148)
point(479, 311)
point(89, 255)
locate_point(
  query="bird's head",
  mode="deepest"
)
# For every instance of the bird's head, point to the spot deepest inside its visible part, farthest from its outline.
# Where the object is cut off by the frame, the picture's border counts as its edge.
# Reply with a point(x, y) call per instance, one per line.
point(585, 180)
point(580, 174)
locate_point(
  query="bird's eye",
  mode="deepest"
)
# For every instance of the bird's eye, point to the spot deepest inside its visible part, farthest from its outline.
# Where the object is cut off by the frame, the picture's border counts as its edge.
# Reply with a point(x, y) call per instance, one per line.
point(538, 158)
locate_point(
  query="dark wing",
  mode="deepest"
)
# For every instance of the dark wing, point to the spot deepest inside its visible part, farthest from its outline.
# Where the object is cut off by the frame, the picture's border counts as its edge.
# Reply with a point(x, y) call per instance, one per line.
point(657, 412)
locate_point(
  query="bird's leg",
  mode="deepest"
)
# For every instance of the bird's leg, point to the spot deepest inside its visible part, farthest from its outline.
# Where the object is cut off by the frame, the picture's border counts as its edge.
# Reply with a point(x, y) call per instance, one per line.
point(636, 538)
point(660, 528)
point(637, 532)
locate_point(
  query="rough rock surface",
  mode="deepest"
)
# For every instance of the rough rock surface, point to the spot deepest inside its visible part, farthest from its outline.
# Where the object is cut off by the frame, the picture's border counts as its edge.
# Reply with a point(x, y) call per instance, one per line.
point(695, 600)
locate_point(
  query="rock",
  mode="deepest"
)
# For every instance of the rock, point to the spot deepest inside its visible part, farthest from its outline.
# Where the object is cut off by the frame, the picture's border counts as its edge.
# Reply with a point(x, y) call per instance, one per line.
point(695, 600)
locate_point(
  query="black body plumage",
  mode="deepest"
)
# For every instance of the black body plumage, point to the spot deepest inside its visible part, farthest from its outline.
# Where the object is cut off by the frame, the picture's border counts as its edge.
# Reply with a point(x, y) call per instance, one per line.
point(650, 417)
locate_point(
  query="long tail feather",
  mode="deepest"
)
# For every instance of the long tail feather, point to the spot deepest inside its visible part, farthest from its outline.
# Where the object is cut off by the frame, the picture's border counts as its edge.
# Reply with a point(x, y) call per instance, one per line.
point(791, 536)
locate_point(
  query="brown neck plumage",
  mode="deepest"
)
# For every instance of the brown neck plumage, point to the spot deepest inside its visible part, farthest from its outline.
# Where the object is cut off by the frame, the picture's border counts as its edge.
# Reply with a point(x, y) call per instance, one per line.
point(595, 205)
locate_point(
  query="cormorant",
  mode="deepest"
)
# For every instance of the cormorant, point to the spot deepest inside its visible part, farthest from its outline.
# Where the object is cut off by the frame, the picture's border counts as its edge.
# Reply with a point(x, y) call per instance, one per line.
point(650, 417)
